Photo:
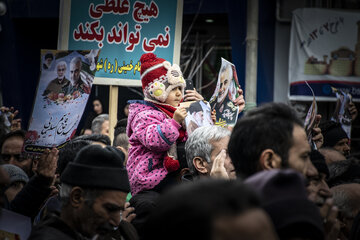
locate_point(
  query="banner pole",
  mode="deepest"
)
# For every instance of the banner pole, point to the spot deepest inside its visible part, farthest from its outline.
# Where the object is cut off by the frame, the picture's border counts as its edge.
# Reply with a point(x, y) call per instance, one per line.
point(113, 107)
point(251, 53)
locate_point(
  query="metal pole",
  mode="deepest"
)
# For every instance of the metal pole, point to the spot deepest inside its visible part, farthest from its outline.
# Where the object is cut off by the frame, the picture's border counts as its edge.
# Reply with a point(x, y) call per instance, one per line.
point(251, 53)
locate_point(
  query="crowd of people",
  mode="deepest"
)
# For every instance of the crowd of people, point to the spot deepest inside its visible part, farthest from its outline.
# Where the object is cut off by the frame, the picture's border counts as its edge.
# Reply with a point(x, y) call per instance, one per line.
point(260, 180)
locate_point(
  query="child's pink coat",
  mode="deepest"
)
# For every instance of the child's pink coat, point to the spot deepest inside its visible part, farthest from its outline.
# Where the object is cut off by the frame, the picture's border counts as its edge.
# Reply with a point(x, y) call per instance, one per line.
point(151, 133)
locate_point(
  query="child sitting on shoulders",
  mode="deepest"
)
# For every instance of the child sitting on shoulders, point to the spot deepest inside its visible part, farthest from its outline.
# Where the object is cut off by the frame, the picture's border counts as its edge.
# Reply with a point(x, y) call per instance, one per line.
point(155, 125)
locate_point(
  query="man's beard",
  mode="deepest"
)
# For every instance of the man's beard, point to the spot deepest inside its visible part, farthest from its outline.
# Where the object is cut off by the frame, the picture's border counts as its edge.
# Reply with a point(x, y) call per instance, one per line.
point(60, 79)
point(222, 96)
point(105, 228)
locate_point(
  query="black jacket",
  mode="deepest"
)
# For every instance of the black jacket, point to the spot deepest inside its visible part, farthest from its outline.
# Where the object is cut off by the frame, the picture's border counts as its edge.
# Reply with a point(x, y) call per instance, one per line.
point(30, 199)
point(53, 228)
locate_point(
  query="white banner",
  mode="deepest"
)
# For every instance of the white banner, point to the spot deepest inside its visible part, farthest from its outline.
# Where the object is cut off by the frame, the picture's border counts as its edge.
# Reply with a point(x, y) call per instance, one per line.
point(325, 52)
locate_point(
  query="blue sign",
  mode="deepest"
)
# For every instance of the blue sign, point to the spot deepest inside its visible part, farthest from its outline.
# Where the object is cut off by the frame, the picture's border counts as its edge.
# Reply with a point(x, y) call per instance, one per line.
point(123, 30)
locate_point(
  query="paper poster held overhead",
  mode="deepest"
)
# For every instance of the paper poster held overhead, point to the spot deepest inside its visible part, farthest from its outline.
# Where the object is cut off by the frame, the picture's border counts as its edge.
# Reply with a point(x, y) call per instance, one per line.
point(62, 93)
point(225, 93)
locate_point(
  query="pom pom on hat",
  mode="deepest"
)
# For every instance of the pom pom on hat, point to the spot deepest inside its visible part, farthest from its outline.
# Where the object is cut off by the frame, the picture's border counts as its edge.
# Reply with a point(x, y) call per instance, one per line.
point(170, 164)
point(159, 77)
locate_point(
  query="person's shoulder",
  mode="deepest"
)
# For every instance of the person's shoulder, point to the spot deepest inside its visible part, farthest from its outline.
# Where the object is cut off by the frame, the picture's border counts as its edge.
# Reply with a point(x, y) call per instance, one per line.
point(53, 81)
point(52, 228)
point(66, 80)
point(152, 112)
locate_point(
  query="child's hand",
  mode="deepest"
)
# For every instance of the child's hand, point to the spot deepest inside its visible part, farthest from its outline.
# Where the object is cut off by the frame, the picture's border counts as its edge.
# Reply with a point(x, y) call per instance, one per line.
point(213, 116)
point(192, 95)
point(180, 114)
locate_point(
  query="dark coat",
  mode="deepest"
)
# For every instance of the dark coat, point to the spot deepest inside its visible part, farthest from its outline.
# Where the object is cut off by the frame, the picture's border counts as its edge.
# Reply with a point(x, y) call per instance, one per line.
point(53, 228)
point(30, 199)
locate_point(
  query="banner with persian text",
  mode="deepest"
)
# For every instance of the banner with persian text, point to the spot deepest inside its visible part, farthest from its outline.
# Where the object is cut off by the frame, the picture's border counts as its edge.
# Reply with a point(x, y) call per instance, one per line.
point(62, 93)
point(325, 53)
point(123, 30)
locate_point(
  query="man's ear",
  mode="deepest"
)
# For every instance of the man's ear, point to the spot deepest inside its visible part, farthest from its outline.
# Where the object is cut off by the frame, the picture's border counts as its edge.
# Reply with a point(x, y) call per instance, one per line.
point(269, 160)
point(200, 164)
point(76, 197)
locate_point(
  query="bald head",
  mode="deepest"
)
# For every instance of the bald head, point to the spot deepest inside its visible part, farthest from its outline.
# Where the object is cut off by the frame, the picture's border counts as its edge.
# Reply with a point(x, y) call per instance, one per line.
point(347, 198)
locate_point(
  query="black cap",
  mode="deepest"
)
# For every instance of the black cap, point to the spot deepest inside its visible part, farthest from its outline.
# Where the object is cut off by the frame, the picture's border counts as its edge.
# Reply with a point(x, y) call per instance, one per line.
point(97, 167)
point(332, 132)
point(319, 162)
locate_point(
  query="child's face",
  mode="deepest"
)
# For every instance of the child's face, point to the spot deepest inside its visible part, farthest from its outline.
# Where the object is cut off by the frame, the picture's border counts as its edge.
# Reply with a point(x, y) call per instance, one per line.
point(174, 97)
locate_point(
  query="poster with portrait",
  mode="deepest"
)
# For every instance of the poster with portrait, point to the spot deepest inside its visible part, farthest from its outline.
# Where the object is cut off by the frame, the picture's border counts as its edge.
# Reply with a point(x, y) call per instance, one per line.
point(62, 93)
point(309, 122)
point(198, 115)
point(225, 94)
point(341, 113)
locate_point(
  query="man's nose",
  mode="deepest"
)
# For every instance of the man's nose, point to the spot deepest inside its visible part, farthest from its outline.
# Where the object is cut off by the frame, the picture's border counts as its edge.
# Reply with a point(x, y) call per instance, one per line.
point(310, 170)
point(325, 193)
point(12, 160)
point(115, 219)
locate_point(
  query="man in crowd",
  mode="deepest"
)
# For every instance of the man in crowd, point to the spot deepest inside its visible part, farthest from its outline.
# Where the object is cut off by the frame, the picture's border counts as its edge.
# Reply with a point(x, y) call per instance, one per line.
point(271, 136)
point(35, 192)
point(18, 179)
point(121, 141)
point(347, 198)
point(206, 153)
point(60, 83)
point(209, 209)
point(267, 137)
point(335, 137)
point(318, 189)
point(284, 198)
point(100, 125)
point(341, 172)
point(331, 155)
point(93, 193)
point(11, 146)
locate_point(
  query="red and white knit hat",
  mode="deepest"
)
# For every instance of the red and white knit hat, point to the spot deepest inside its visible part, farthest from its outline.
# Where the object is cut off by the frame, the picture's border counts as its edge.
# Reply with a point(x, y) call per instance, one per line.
point(159, 77)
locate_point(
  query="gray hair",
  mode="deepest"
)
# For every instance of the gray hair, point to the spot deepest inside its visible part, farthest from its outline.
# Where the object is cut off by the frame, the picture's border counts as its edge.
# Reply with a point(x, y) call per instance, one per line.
point(89, 194)
point(61, 63)
point(122, 140)
point(97, 123)
point(345, 199)
point(76, 60)
point(227, 67)
point(199, 143)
